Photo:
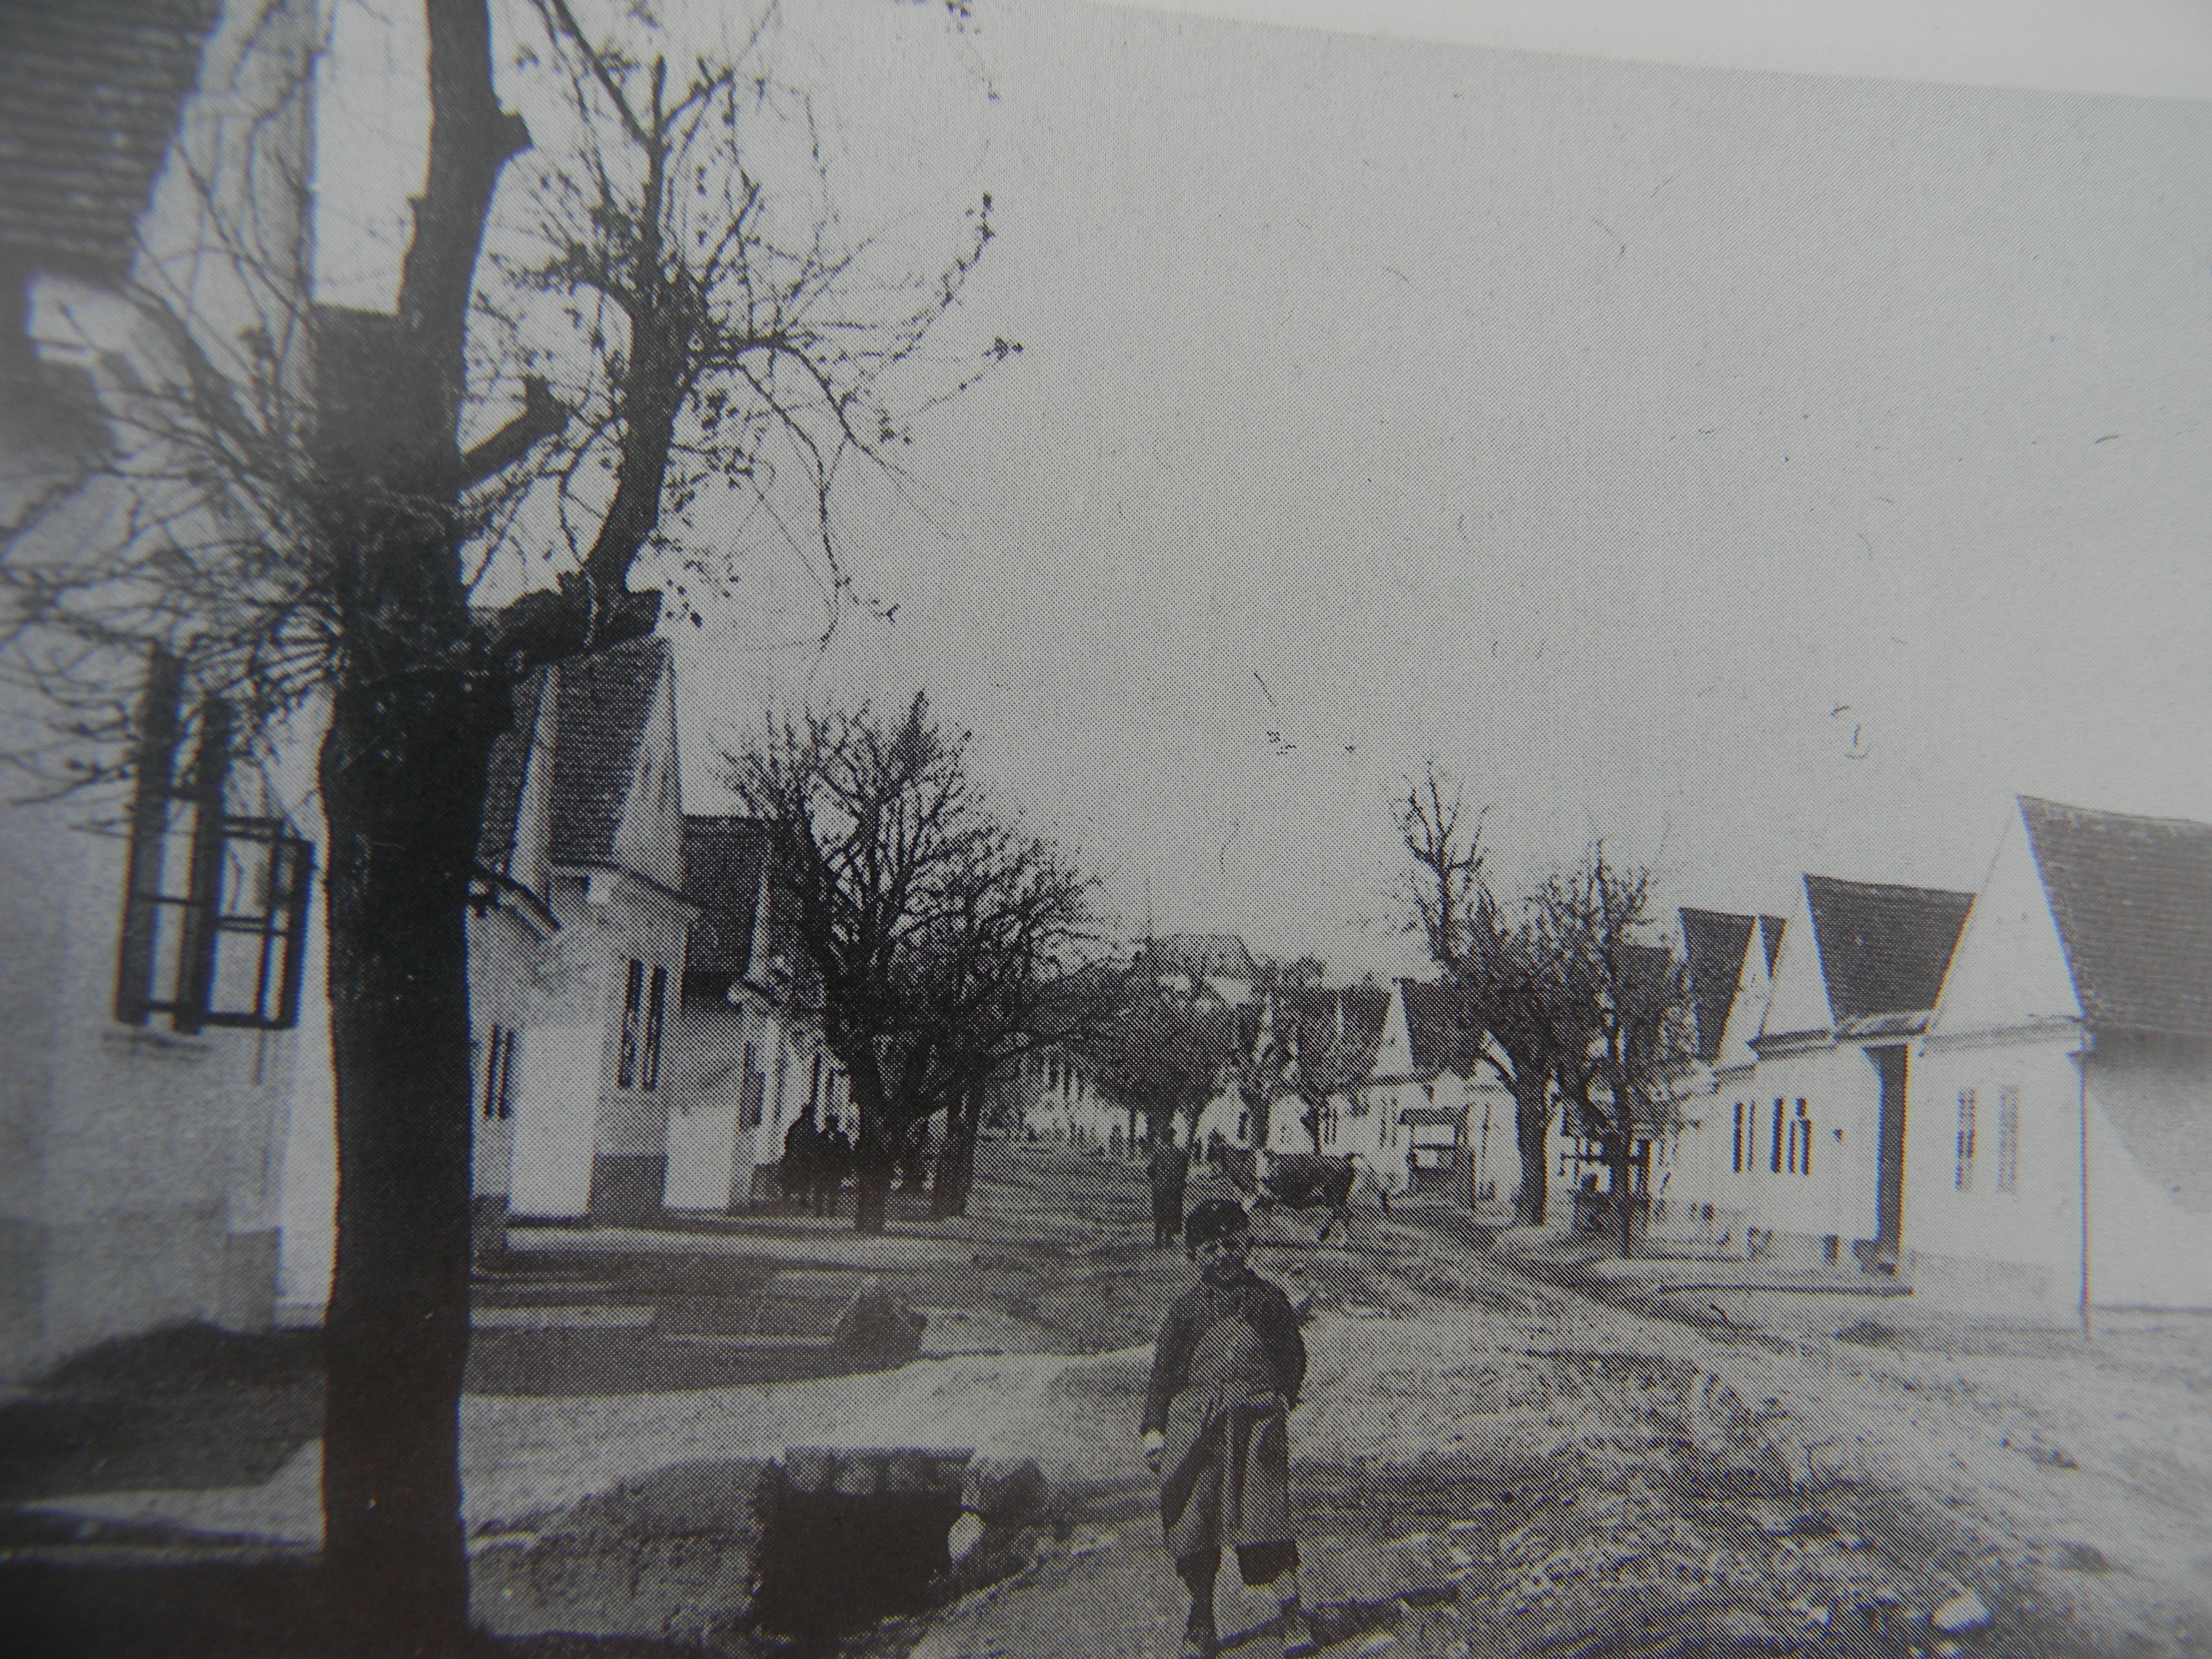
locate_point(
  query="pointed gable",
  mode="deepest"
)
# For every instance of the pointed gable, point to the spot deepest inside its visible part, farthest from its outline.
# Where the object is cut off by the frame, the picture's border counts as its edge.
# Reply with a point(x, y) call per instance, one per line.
point(2009, 970)
point(1394, 1044)
point(2132, 900)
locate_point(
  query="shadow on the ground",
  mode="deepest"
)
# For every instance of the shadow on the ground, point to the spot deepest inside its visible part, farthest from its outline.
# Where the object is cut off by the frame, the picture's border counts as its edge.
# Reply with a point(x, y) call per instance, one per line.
point(191, 1408)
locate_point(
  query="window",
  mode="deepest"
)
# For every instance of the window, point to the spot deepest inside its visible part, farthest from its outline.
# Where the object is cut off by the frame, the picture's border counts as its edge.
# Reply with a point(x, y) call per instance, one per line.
point(1963, 1176)
point(499, 1074)
point(633, 1007)
point(1774, 1146)
point(814, 1085)
point(1800, 1159)
point(1742, 1155)
point(2008, 1138)
point(1328, 1125)
point(656, 1009)
point(215, 904)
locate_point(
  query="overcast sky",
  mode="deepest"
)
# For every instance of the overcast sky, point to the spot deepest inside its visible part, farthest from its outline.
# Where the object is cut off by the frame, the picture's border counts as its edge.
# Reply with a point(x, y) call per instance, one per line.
point(1766, 472)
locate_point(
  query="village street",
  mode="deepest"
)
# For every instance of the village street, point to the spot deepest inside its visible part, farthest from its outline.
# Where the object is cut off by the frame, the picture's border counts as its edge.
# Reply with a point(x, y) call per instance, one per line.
point(1486, 1454)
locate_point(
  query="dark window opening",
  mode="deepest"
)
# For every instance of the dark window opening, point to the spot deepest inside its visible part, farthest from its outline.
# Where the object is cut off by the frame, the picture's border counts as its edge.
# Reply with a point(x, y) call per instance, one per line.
point(656, 1008)
point(499, 1074)
point(632, 1008)
point(1774, 1147)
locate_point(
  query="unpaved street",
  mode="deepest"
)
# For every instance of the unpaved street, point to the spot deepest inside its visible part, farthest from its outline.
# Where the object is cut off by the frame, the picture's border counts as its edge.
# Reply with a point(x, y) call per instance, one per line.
point(1506, 1442)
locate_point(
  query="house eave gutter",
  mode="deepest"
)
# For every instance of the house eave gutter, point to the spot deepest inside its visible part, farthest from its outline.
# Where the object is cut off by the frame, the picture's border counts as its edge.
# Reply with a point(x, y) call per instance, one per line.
point(587, 867)
point(2039, 1029)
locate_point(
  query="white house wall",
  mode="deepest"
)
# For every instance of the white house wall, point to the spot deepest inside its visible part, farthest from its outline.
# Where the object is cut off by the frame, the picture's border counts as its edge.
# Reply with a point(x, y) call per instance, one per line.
point(2010, 968)
point(1842, 1091)
point(1798, 1000)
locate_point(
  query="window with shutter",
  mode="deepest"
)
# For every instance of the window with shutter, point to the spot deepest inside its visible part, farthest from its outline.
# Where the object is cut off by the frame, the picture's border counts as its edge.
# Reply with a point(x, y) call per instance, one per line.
point(633, 1014)
point(215, 904)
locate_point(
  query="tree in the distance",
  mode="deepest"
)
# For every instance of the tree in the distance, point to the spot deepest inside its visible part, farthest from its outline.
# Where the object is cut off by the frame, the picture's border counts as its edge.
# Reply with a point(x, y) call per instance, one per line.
point(939, 930)
point(1631, 997)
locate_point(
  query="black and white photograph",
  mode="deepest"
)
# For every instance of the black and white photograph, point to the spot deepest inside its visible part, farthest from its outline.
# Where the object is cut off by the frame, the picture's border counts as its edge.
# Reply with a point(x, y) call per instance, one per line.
point(1094, 830)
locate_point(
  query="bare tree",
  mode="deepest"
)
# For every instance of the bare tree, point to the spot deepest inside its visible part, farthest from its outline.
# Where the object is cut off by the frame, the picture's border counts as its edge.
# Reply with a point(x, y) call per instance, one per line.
point(1509, 971)
point(298, 507)
point(1632, 994)
point(1162, 1051)
point(934, 924)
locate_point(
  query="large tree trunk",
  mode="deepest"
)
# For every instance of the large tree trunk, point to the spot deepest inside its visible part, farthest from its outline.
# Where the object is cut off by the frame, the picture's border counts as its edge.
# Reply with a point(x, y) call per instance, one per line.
point(403, 763)
point(403, 777)
point(1532, 1123)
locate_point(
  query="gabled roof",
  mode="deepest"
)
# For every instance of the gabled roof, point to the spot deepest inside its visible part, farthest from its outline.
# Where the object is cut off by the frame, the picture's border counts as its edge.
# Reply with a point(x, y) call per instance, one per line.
point(91, 93)
point(1337, 1032)
point(1715, 942)
point(605, 700)
point(723, 858)
point(2132, 897)
point(1883, 947)
point(1442, 1030)
point(1770, 935)
point(1211, 956)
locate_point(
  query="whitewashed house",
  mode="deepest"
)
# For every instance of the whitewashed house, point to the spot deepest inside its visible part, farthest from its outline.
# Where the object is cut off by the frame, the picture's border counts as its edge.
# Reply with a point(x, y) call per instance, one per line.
point(151, 939)
point(576, 962)
point(1054, 1096)
point(1815, 1134)
point(1412, 1102)
point(747, 1057)
point(1730, 957)
point(2058, 1153)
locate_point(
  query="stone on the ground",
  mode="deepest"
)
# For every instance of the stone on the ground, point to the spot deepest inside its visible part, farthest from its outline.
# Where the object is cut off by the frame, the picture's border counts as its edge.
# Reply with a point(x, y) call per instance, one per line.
point(1962, 1612)
point(878, 1329)
point(966, 1532)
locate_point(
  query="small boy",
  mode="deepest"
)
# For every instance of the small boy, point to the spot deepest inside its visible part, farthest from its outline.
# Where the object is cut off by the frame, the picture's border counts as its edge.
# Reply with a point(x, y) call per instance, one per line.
point(1225, 1373)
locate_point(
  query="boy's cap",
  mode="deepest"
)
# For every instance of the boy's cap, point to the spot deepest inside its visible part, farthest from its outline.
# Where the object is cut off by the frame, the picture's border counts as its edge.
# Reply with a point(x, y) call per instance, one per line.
point(1214, 1218)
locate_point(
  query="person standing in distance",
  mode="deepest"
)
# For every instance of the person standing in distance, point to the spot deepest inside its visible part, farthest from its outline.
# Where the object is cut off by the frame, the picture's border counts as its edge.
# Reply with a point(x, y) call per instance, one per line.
point(1169, 1168)
point(1226, 1372)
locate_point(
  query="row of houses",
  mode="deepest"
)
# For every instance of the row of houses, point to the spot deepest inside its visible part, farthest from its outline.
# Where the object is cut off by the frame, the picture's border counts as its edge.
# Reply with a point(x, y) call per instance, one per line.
point(2005, 1097)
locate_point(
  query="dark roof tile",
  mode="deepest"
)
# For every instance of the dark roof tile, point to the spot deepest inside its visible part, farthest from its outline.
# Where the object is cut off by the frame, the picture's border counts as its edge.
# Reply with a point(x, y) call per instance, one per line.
point(605, 700)
point(1715, 942)
point(1883, 948)
point(2133, 900)
point(722, 861)
point(91, 92)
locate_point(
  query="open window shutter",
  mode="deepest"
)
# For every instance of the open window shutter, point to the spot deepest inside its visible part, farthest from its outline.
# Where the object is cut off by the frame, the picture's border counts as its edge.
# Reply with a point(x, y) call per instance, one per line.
point(215, 912)
point(149, 816)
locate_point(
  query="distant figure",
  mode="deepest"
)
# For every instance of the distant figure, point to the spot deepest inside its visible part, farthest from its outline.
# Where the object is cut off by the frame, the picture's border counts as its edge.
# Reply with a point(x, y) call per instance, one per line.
point(835, 1154)
point(1169, 1168)
point(1226, 1372)
point(796, 1175)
